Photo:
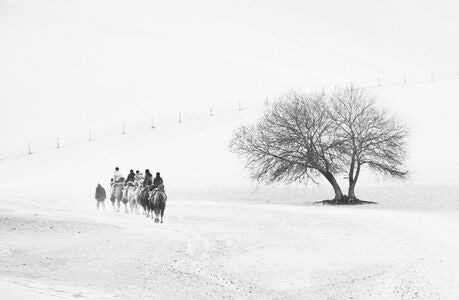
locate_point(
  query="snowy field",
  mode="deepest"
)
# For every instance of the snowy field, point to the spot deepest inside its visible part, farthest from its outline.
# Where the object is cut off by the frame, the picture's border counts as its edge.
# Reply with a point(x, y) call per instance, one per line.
point(224, 237)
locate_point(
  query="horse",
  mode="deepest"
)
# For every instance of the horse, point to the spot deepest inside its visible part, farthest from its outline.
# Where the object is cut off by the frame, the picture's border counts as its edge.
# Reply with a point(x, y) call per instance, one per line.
point(143, 200)
point(117, 194)
point(133, 197)
point(130, 196)
point(127, 194)
point(112, 195)
point(159, 202)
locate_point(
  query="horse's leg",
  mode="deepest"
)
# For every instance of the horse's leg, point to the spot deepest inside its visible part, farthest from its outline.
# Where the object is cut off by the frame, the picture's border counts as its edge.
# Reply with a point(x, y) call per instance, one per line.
point(97, 205)
point(156, 215)
point(162, 214)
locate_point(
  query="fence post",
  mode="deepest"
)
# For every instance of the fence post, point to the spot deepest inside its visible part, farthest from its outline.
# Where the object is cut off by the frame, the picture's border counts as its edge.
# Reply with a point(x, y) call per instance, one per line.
point(90, 136)
point(152, 125)
point(29, 151)
point(124, 130)
point(57, 143)
point(180, 117)
point(211, 112)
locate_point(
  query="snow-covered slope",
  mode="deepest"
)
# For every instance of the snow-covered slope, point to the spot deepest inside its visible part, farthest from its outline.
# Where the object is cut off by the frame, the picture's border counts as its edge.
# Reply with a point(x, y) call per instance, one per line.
point(215, 241)
point(194, 154)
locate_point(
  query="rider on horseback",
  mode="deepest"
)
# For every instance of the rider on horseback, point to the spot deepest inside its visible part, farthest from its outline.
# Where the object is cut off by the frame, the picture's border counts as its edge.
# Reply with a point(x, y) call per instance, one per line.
point(148, 178)
point(117, 176)
point(138, 178)
point(157, 181)
point(130, 177)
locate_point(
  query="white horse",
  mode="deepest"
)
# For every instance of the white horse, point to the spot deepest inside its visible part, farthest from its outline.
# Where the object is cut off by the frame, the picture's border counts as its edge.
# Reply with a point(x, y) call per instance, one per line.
point(133, 197)
point(117, 195)
point(126, 196)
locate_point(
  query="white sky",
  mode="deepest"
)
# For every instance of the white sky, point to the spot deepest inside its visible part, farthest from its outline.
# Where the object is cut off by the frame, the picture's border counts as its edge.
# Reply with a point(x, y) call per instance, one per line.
point(68, 66)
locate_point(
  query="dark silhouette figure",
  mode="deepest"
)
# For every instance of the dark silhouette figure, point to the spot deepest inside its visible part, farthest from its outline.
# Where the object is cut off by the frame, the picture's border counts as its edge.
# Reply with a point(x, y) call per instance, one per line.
point(100, 196)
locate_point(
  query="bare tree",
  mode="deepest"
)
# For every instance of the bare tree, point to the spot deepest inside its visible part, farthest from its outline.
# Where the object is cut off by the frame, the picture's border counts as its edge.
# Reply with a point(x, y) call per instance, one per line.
point(371, 136)
point(296, 140)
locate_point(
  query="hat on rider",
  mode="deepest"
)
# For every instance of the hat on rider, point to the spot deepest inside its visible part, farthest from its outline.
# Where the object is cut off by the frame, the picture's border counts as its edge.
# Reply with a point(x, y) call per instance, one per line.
point(117, 169)
point(157, 173)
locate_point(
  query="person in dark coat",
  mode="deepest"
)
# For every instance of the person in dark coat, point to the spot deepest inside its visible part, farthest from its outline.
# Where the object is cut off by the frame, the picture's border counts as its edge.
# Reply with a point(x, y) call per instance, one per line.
point(148, 178)
point(157, 181)
point(130, 177)
point(100, 196)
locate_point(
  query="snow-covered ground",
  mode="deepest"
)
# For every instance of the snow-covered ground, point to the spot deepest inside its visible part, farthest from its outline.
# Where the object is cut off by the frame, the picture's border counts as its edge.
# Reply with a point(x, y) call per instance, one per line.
point(54, 244)
point(224, 237)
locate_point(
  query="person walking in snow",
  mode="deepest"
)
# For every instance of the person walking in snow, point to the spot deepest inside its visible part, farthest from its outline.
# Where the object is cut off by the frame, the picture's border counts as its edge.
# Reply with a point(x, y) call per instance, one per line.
point(100, 196)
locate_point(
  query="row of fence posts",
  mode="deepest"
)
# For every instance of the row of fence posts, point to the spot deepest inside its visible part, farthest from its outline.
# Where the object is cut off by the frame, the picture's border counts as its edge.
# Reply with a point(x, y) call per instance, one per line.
point(123, 130)
point(211, 114)
point(405, 80)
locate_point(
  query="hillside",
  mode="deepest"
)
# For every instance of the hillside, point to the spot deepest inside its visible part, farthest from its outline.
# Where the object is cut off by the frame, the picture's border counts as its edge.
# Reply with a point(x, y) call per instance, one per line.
point(193, 155)
point(224, 236)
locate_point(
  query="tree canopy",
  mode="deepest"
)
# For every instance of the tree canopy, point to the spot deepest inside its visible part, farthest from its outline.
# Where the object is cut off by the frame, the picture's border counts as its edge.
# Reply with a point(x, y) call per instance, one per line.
point(304, 136)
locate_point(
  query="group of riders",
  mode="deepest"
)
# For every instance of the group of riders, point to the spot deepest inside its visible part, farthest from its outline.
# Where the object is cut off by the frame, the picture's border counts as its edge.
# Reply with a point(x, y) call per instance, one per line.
point(137, 179)
point(137, 190)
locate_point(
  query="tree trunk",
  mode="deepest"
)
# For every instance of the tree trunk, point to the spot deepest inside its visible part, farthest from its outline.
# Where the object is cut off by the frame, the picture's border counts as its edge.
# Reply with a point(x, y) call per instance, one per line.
point(352, 183)
point(338, 193)
point(351, 192)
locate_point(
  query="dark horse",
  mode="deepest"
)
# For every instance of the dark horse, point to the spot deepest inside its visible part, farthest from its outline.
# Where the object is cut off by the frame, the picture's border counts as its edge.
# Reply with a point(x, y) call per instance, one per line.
point(144, 201)
point(159, 202)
